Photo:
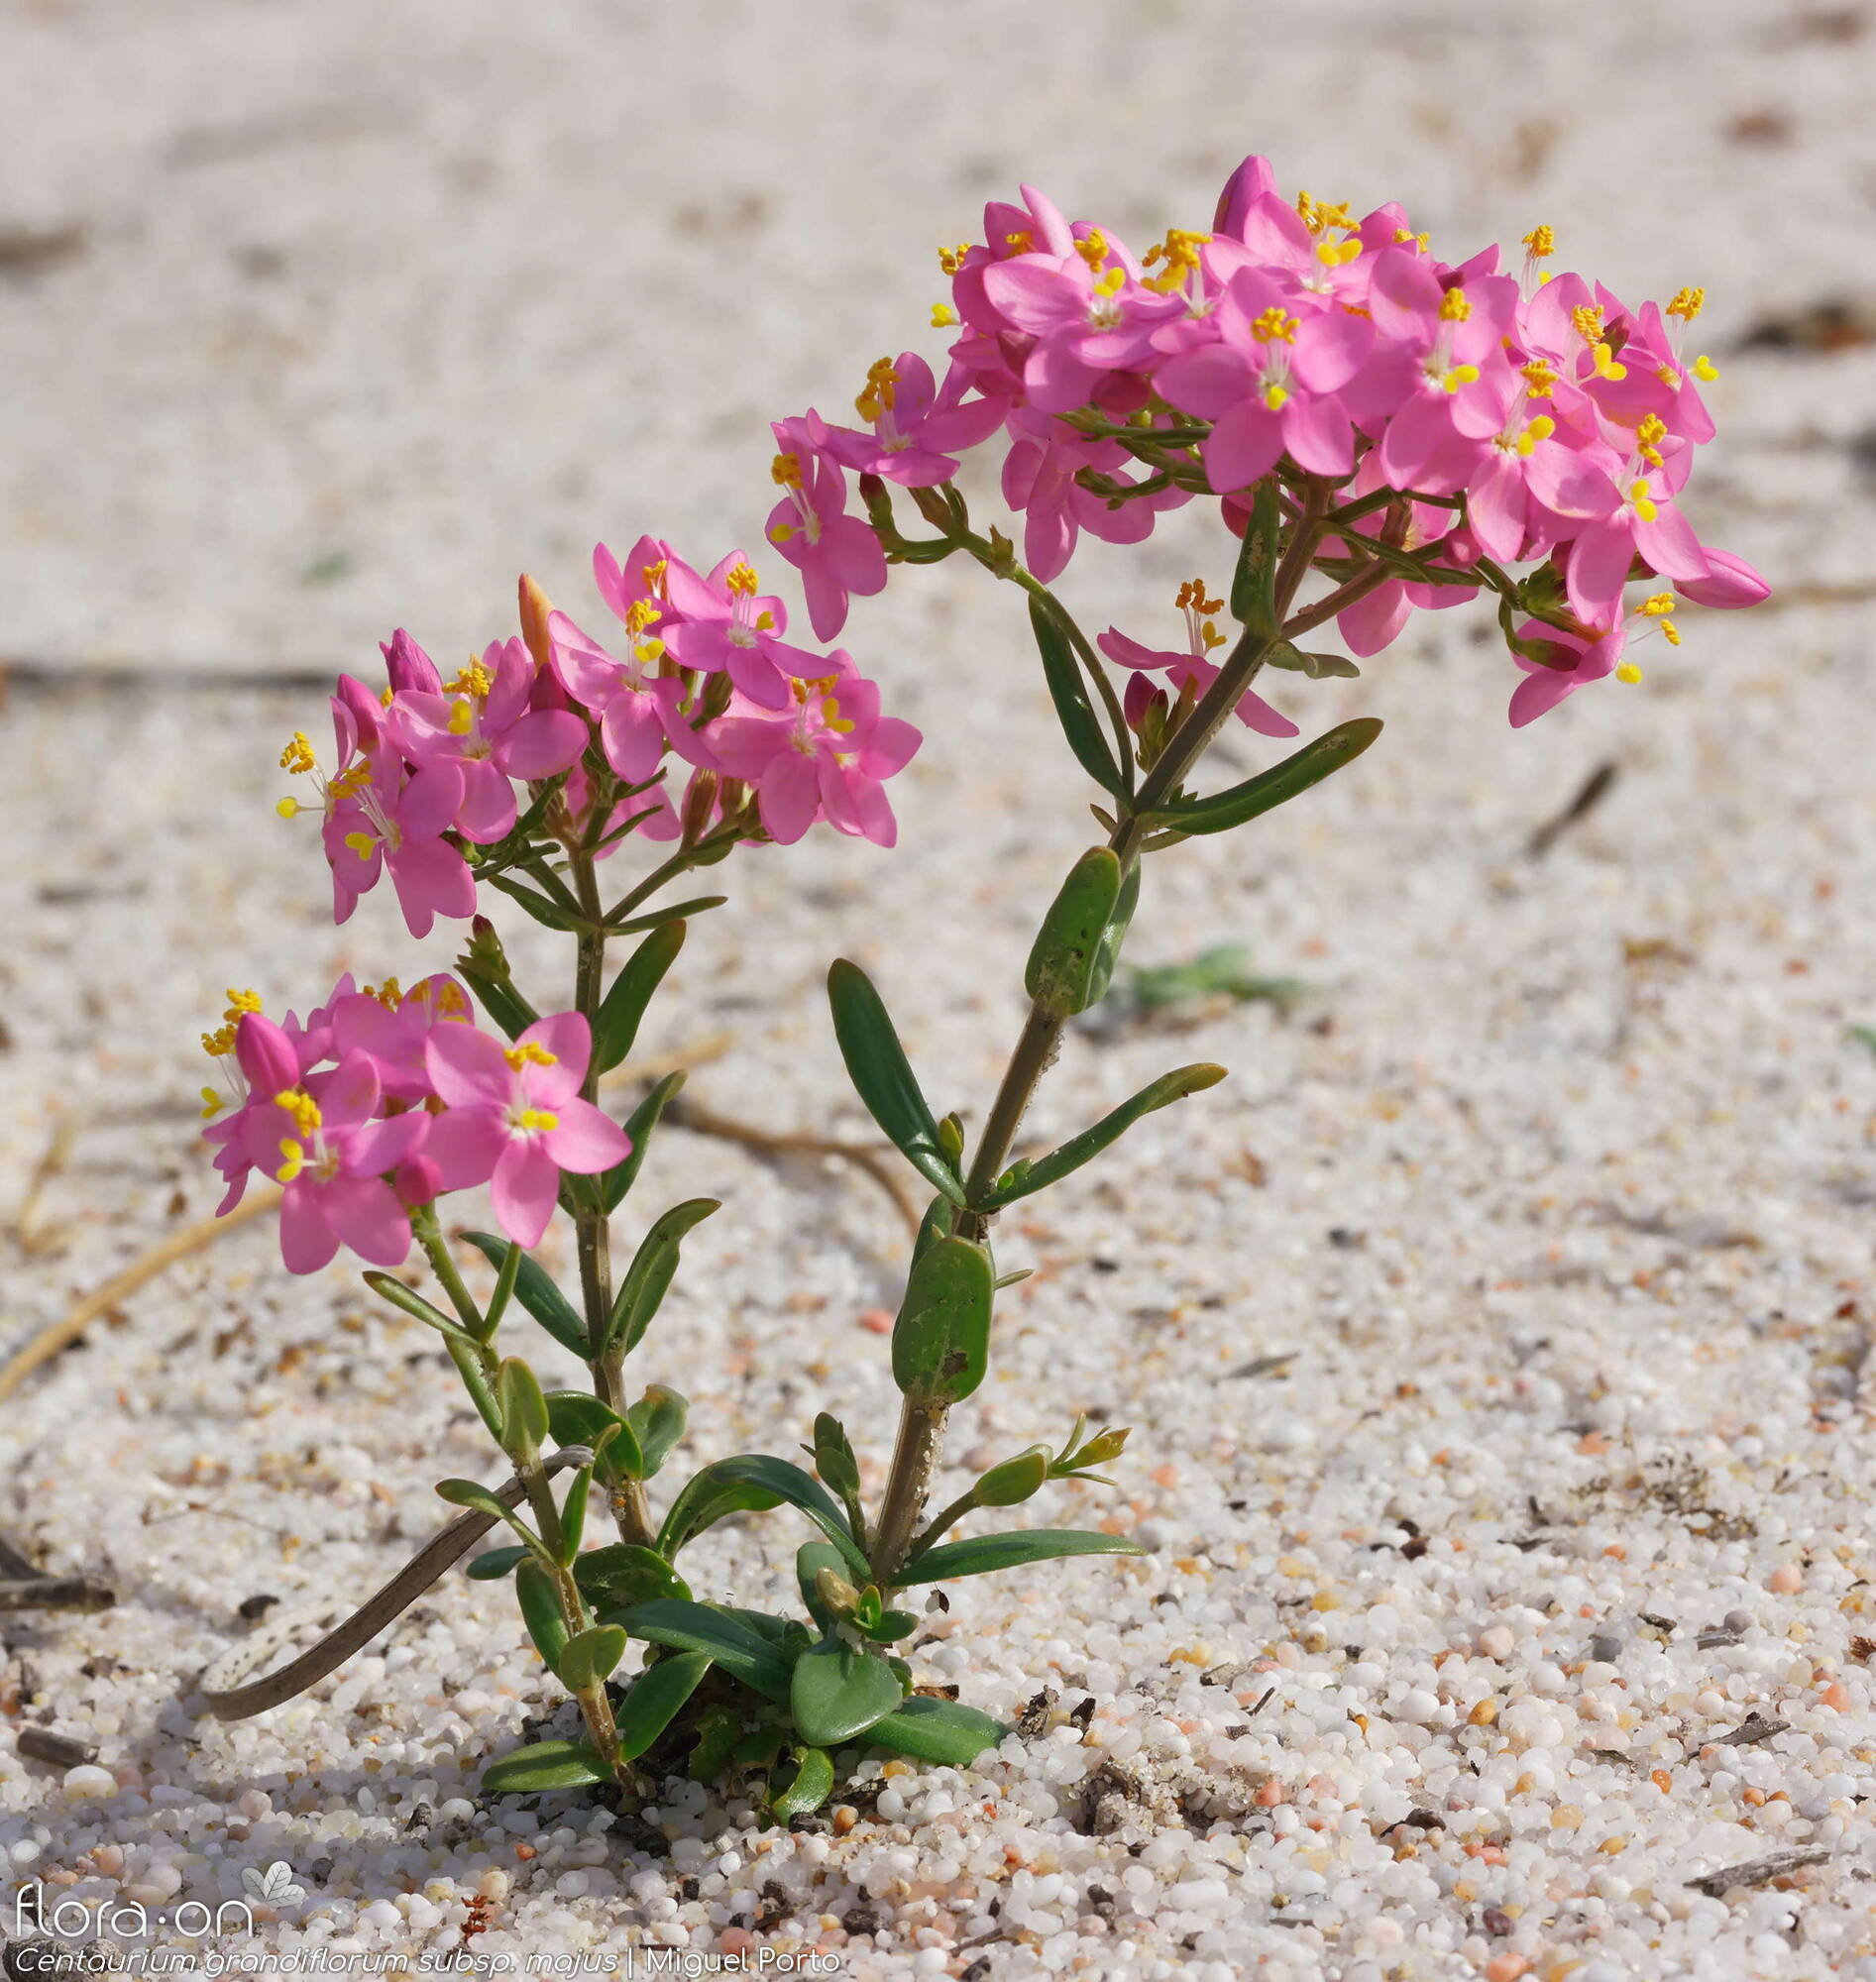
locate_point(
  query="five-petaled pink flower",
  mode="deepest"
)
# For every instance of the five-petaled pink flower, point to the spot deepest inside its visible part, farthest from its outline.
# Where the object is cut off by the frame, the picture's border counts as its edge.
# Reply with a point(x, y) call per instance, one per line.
point(1189, 672)
point(727, 626)
point(835, 554)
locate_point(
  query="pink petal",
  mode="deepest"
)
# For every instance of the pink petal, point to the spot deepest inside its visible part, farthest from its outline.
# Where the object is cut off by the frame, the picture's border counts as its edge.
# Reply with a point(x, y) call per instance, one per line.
point(465, 1145)
point(367, 1216)
point(1318, 435)
point(524, 1188)
point(1331, 349)
point(487, 810)
point(468, 1070)
point(307, 1240)
point(541, 743)
point(1246, 444)
point(568, 1036)
point(1207, 382)
point(587, 1140)
point(789, 796)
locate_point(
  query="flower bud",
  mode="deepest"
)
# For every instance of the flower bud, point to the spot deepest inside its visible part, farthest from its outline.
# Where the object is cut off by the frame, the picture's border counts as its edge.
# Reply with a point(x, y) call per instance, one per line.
point(407, 666)
point(1729, 582)
point(700, 802)
point(416, 1181)
point(535, 610)
point(837, 1593)
point(483, 956)
point(1015, 1480)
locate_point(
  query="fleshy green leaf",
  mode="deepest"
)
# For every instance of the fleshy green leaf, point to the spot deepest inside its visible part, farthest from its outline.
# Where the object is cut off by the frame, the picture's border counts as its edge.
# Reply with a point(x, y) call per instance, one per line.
point(882, 1076)
point(573, 1514)
point(650, 1273)
point(657, 1421)
point(755, 1481)
point(1069, 693)
point(1059, 1164)
point(1067, 952)
point(655, 1696)
point(1015, 1480)
point(839, 1470)
point(623, 1007)
point(577, 1417)
point(941, 1341)
point(718, 1730)
point(809, 1560)
point(499, 999)
point(624, 1573)
point(806, 1789)
point(542, 908)
point(537, 1293)
point(940, 1215)
point(494, 1564)
point(657, 917)
point(1113, 934)
point(743, 1652)
point(387, 1287)
point(982, 1554)
point(1315, 666)
point(524, 1426)
point(1254, 582)
point(837, 1693)
point(1268, 788)
point(589, 1658)
point(541, 1612)
point(936, 1730)
point(471, 1493)
point(544, 1765)
point(638, 1127)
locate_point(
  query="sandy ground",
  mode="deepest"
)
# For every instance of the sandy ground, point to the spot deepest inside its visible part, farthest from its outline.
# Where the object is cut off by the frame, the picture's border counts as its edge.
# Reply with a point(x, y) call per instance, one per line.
point(1555, 1193)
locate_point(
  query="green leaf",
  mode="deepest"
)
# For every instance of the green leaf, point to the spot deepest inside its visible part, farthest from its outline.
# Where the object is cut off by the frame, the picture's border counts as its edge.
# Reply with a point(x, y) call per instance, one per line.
point(537, 1293)
point(387, 1287)
point(940, 1215)
point(544, 1765)
point(882, 1076)
point(941, 1341)
point(541, 1612)
point(806, 1789)
point(1015, 1480)
point(624, 1573)
point(494, 1564)
point(1225, 970)
point(834, 1461)
point(837, 1693)
point(503, 1290)
point(545, 911)
point(638, 1127)
point(718, 1730)
point(936, 1730)
point(1066, 949)
point(1069, 693)
point(809, 1560)
point(658, 1420)
point(472, 1365)
point(524, 1426)
point(1113, 934)
point(755, 1481)
point(655, 1696)
point(1315, 666)
point(468, 1493)
point(1254, 582)
point(743, 1653)
point(577, 1417)
point(650, 1276)
point(573, 1515)
point(623, 1007)
point(984, 1553)
point(1268, 788)
point(502, 1001)
point(588, 1658)
point(1059, 1164)
point(672, 912)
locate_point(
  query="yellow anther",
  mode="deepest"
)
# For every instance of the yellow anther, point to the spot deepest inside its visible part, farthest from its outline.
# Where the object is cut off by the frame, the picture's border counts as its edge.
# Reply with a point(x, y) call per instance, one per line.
point(1603, 358)
point(298, 754)
point(211, 1104)
point(950, 260)
point(530, 1054)
point(1112, 282)
point(765, 622)
point(1093, 250)
point(1541, 241)
point(240, 1002)
point(538, 1121)
point(1687, 304)
point(1179, 251)
point(1403, 235)
point(1274, 327)
point(654, 575)
point(301, 1107)
point(781, 533)
point(1587, 322)
point(1704, 370)
point(831, 717)
point(461, 717)
point(1541, 428)
point(1629, 673)
point(648, 651)
point(288, 807)
point(1668, 376)
point(1276, 397)
point(943, 316)
point(1459, 374)
point(1538, 379)
point(1643, 504)
point(362, 843)
point(474, 679)
point(785, 471)
point(295, 1160)
point(1649, 435)
point(1454, 306)
point(1671, 633)
point(1018, 243)
point(643, 613)
point(1210, 636)
point(389, 994)
point(387, 696)
point(1659, 605)
point(743, 580)
point(218, 1045)
point(1318, 215)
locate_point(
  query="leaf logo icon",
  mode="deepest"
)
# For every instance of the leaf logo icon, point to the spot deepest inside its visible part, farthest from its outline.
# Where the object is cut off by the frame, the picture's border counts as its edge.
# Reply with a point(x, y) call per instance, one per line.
point(275, 1886)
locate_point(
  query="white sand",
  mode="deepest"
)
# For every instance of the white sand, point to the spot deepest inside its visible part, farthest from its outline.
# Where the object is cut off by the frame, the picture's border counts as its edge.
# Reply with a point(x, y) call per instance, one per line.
point(441, 297)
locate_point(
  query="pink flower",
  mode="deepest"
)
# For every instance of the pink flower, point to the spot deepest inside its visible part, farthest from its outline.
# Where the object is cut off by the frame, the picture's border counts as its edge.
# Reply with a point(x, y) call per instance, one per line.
point(636, 708)
point(1190, 673)
point(835, 554)
point(1040, 479)
point(831, 756)
point(387, 818)
point(392, 1028)
point(1581, 659)
point(483, 724)
point(917, 428)
point(513, 1115)
point(727, 626)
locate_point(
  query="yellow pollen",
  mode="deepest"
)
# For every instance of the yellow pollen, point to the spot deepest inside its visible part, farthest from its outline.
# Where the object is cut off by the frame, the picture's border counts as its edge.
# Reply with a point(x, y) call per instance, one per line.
point(538, 1120)
point(950, 260)
point(1704, 370)
point(943, 316)
point(785, 471)
point(295, 1160)
point(473, 680)
point(361, 844)
point(1668, 376)
point(1459, 374)
point(1687, 304)
point(1318, 215)
point(1179, 251)
point(389, 994)
point(1629, 673)
point(1192, 594)
point(1587, 322)
point(1455, 307)
point(1659, 605)
point(1274, 326)
point(1334, 254)
point(1671, 633)
point(1541, 241)
point(461, 717)
point(1112, 282)
point(1093, 251)
point(298, 754)
point(288, 807)
point(218, 1045)
point(1403, 235)
point(1538, 379)
point(1210, 636)
point(1018, 243)
point(1276, 397)
point(1648, 438)
point(1604, 357)
point(830, 716)
point(743, 580)
point(1639, 495)
point(532, 1054)
point(211, 1104)
point(654, 575)
point(648, 651)
point(301, 1107)
point(240, 1002)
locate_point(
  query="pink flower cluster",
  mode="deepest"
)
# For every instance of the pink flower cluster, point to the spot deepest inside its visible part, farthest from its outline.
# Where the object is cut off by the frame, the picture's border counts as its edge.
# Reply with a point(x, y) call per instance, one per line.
point(382, 1099)
point(1535, 415)
point(427, 771)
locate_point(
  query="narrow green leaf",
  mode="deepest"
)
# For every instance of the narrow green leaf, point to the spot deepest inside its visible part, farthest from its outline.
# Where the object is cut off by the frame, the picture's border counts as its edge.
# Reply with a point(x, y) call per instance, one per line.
point(941, 1341)
point(500, 1000)
point(524, 1426)
point(503, 1290)
point(1254, 582)
point(755, 1481)
point(1052, 1168)
point(541, 1612)
point(494, 1564)
point(983, 1554)
point(544, 1765)
point(1293, 776)
point(936, 1730)
point(655, 1696)
point(743, 1653)
point(882, 1076)
point(470, 1493)
point(806, 1789)
point(834, 1459)
point(536, 1292)
point(1113, 934)
point(1069, 693)
point(638, 1127)
point(573, 1515)
point(589, 1657)
point(1015, 1480)
point(387, 1287)
point(623, 1574)
point(623, 1007)
point(1316, 665)
point(657, 1422)
point(544, 910)
point(472, 1365)
point(838, 1691)
point(1066, 949)
point(650, 1276)
point(655, 918)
